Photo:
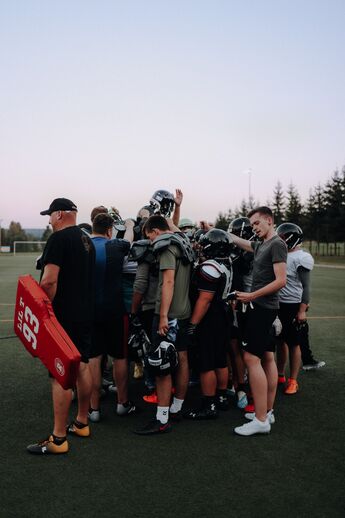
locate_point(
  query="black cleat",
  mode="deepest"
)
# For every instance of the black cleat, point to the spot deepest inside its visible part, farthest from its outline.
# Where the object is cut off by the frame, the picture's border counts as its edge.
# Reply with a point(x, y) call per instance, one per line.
point(154, 427)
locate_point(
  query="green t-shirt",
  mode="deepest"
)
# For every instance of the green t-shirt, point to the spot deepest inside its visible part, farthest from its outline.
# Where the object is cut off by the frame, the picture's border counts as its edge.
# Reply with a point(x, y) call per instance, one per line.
point(170, 259)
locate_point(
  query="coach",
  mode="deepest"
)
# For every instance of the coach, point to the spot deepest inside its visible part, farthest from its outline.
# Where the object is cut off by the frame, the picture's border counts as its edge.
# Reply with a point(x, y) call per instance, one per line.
point(67, 279)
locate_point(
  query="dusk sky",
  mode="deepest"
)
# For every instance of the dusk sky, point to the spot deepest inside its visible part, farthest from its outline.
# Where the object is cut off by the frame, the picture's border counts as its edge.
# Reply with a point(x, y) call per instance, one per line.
point(105, 102)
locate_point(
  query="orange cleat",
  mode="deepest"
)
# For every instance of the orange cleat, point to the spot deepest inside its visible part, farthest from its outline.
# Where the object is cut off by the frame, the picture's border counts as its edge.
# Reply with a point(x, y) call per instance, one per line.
point(291, 387)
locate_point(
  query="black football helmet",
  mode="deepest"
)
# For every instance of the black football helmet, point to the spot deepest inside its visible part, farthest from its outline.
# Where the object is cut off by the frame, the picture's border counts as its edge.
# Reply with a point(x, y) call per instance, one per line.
point(215, 244)
point(163, 202)
point(241, 227)
point(291, 233)
point(138, 345)
point(163, 360)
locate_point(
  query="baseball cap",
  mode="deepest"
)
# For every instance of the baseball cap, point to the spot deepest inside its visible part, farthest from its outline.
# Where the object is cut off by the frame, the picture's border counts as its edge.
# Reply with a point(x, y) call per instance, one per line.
point(59, 204)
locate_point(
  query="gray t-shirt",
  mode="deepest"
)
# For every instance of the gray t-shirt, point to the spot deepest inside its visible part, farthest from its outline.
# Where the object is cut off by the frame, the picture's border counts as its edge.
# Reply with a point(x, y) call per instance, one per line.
point(170, 259)
point(266, 253)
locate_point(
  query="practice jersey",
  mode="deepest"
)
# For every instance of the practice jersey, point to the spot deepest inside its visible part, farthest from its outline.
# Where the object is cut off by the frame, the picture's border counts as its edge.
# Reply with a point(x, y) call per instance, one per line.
point(292, 292)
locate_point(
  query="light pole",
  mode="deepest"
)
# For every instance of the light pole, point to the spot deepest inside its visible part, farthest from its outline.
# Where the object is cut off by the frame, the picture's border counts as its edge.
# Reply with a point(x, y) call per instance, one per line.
point(249, 172)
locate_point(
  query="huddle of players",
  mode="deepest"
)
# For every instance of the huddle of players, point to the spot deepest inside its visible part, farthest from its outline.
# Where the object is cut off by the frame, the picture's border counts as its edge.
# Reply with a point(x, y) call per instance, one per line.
point(178, 289)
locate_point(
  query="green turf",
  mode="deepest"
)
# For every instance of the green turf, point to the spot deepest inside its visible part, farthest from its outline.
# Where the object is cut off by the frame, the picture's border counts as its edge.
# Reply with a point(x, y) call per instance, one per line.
point(200, 469)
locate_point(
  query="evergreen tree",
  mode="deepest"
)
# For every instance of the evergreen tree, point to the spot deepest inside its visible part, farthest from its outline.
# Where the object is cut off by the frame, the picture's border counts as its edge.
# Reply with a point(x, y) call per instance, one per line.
point(334, 197)
point(278, 204)
point(293, 210)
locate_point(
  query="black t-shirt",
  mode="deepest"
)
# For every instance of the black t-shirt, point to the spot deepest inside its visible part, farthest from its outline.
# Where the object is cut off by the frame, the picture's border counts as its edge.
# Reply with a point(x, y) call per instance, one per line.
point(72, 250)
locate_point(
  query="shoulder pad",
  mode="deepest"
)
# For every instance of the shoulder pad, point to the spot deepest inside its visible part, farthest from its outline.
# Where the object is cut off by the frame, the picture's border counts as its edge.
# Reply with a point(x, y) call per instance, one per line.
point(141, 251)
point(211, 270)
point(306, 260)
point(163, 241)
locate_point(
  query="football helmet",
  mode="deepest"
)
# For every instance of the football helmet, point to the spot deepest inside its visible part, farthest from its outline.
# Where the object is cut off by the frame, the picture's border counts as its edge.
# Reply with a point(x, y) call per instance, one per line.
point(241, 227)
point(138, 345)
point(291, 233)
point(163, 202)
point(163, 360)
point(215, 244)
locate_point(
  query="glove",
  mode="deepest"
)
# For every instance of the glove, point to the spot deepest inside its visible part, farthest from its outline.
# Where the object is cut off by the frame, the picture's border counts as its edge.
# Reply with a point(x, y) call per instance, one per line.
point(135, 326)
point(277, 325)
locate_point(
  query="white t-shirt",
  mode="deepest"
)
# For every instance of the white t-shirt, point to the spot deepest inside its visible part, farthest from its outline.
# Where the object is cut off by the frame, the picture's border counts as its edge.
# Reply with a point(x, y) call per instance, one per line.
point(292, 292)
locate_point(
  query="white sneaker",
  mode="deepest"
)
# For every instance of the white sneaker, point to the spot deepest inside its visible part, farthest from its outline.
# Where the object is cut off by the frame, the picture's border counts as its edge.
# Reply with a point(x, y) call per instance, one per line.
point(112, 388)
point(270, 416)
point(253, 427)
point(94, 416)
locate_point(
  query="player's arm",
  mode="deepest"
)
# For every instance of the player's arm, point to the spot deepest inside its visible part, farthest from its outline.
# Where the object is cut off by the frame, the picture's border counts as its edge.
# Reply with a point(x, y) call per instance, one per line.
point(129, 233)
point(201, 306)
point(274, 286)
point(177, 211)
point(50, 279)
point(241, 243)
point(304, 276)
point(166, 298)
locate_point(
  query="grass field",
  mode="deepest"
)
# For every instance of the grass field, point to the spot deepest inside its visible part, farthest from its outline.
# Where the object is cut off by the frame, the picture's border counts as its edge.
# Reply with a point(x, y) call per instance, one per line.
point(200, 469)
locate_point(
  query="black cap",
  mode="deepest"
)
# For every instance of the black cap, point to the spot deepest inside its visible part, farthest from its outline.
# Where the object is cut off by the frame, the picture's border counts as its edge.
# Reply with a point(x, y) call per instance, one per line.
point(59, 204)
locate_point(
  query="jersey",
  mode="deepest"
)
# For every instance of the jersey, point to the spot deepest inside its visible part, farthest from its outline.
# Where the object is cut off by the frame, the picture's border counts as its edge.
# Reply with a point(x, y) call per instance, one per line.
point(296, 260)
point(214, 277)
point(110, 254)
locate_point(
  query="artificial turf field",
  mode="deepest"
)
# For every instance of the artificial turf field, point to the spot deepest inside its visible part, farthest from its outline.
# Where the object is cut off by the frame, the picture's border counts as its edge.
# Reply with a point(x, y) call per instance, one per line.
point(201, 469)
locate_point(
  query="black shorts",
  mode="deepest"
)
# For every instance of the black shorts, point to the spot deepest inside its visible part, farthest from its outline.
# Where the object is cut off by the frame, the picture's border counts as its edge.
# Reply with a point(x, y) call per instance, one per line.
point(287, 314)
point(258, 335)
point(181, 342)
point(212, 337)
point(80, 333)
point(111, 337)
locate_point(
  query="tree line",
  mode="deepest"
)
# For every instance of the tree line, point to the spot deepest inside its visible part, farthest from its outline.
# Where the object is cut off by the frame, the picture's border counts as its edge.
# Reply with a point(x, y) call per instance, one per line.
point(15, 232)
point(321, 216)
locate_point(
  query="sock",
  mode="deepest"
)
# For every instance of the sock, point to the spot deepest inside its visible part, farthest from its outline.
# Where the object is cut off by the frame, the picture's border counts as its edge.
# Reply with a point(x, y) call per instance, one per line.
point(176, 405)
point(58, 440)
point(162, 414)
point(208, 402)
point(78, 424)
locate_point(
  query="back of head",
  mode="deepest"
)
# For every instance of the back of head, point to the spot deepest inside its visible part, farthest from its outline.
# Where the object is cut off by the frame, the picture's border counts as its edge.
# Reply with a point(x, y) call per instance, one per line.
point(157, 222)
point(98, 210)
point(102, 223)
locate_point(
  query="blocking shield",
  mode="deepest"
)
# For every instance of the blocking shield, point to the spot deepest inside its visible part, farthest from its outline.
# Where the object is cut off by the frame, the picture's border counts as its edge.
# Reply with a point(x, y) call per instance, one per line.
point(42, 335)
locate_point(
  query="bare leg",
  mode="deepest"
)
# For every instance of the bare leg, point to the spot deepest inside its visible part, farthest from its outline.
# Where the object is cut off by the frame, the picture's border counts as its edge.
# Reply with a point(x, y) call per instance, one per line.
point(182, 375)
point(270, 368)
point(239, 363)
point(282, 356)
point(208, 382)
point(222, 376)
point(95, 368)
point(120, 373)
point(61, 402)
point(84, 386)
point(163, 387)
point(295, 361)
point(258, 384)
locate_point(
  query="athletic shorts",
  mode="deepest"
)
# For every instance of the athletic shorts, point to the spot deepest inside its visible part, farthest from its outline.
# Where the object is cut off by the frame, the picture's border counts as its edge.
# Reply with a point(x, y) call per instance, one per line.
point(111, 337)
point(80, 334)
point(287, 314)
point(212, 338)
point(181, 342)
point(258, 335)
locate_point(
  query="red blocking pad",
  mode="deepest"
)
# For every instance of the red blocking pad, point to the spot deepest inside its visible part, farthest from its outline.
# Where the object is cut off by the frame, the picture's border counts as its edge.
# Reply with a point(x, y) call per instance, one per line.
point(38, 329)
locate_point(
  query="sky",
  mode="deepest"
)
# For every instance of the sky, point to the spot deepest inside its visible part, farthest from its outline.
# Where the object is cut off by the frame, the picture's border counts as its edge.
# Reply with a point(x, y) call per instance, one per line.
point(105, 102)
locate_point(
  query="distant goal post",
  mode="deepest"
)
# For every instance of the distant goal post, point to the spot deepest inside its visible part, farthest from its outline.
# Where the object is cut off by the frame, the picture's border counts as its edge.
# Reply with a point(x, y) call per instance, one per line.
point(28, 246)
